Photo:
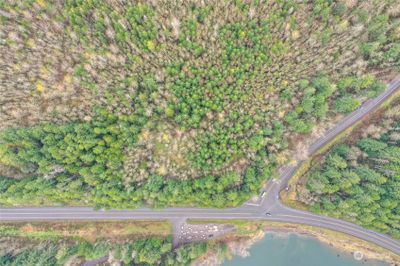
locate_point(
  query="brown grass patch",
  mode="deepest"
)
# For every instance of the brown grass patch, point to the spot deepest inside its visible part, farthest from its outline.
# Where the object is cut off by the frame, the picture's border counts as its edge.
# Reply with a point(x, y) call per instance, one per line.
point(90, 231)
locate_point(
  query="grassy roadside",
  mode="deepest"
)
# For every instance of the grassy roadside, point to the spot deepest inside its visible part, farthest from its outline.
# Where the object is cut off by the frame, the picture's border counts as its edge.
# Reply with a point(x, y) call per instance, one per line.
point(334, 239)
point(289, 197)
point(89, 231)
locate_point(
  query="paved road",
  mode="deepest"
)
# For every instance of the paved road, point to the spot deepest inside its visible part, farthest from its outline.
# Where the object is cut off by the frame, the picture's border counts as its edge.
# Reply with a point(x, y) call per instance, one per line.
point(270, 203)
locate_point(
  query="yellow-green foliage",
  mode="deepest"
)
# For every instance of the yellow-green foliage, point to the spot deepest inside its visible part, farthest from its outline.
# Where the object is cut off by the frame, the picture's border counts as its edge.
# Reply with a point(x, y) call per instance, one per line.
point(96, 90)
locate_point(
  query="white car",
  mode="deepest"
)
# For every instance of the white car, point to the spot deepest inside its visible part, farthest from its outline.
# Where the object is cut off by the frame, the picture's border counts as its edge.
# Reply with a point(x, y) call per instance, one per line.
point(262, 194)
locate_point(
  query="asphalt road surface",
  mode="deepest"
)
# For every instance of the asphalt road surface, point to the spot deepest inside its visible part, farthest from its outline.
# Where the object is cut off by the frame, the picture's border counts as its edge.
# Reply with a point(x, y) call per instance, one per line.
point(270, 203)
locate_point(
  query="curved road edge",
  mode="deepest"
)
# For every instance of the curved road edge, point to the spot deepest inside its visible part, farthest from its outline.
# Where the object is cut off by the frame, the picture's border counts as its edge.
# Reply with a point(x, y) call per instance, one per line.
point(282, 213)
point(270, 203)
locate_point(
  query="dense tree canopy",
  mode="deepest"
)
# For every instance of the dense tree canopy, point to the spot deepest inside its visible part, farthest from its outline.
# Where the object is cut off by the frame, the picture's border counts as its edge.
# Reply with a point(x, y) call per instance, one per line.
point(360, 182)
point(129, 103)
point(151, 251)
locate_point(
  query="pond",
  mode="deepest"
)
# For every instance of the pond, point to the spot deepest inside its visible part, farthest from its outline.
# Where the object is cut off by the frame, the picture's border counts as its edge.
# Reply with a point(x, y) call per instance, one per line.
point(295, 250)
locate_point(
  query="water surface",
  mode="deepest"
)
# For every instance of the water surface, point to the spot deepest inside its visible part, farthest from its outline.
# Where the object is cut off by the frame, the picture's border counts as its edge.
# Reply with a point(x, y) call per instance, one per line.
point(294, 250)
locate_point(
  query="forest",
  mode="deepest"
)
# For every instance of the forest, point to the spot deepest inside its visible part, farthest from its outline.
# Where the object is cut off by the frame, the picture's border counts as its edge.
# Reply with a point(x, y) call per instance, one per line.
point(122, 104)
point(358, 180)
point(150, 251)
point(115, 243)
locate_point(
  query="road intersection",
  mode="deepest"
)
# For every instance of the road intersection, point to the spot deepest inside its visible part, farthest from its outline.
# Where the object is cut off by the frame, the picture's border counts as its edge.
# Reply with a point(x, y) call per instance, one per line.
point(248, 211)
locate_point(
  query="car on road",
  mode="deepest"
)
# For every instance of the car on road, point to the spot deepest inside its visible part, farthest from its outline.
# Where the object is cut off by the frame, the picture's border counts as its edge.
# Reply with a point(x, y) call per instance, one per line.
point(268, 214)
point(262, 194)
